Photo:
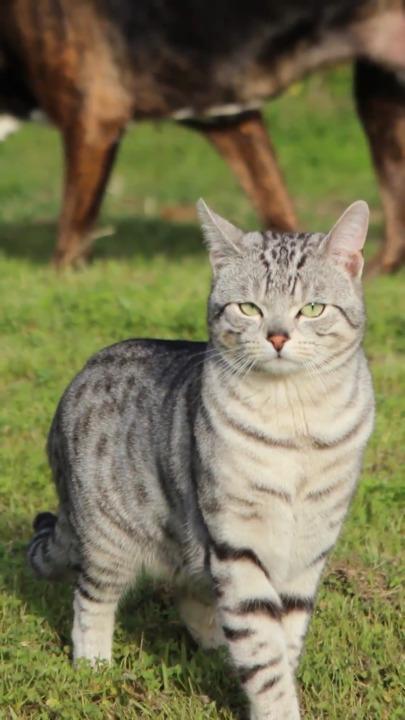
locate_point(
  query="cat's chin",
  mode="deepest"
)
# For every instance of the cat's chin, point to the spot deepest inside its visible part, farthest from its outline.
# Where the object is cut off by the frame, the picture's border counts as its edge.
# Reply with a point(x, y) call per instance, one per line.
point(280, 366)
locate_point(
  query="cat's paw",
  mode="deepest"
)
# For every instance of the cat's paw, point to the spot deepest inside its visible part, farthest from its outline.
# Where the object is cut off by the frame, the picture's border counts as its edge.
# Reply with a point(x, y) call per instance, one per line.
point(201, 621)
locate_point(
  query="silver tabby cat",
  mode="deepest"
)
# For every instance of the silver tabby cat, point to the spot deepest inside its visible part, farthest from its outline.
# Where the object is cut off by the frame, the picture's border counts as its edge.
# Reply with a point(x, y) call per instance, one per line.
point(227, 466)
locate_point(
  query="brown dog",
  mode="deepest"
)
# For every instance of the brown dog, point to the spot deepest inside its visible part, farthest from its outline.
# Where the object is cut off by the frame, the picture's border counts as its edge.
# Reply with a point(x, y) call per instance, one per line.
point(92, 65)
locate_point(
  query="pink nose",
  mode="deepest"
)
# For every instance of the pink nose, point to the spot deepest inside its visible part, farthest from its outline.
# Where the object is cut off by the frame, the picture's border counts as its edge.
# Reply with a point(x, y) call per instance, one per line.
point(278, 341)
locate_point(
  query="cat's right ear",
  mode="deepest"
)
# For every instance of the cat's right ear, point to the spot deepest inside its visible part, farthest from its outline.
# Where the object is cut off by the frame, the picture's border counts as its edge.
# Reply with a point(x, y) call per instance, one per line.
point(223, 238)
point(347, 237)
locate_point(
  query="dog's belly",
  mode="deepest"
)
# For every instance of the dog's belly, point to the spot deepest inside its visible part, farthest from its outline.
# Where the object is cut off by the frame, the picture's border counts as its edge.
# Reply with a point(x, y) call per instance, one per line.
point(245, 76)
point(235, 84)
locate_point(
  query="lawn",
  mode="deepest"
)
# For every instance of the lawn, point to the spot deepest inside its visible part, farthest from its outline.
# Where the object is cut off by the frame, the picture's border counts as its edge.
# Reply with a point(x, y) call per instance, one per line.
point(150, 277)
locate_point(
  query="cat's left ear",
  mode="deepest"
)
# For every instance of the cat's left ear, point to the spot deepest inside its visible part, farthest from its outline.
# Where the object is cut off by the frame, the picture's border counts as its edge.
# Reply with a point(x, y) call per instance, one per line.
point(347, 237)
point(223, 238)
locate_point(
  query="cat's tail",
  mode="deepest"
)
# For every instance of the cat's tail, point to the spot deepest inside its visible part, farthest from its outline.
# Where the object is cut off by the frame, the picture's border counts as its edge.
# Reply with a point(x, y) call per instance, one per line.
point(51, 551)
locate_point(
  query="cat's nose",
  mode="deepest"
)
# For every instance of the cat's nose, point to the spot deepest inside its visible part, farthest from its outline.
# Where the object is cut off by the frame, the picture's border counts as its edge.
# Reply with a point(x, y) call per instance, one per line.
point(278, 340)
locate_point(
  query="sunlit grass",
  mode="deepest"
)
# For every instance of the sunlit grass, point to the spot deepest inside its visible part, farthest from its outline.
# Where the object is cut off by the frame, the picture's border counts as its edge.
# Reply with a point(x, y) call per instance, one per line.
point(151, 279)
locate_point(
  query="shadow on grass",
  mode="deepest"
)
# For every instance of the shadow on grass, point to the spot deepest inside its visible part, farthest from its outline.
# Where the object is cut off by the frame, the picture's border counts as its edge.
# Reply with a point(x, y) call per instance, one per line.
point(131, 238)
point(147, 619)
point(148, 616)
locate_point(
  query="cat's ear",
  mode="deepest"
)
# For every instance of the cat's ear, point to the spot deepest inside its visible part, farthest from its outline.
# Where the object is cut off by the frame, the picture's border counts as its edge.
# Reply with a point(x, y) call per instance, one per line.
point(223, 238)
point(347, 237)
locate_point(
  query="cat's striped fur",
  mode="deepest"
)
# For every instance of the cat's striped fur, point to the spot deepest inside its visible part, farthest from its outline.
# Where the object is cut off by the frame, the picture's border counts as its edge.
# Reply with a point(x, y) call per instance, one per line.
point(231, 463)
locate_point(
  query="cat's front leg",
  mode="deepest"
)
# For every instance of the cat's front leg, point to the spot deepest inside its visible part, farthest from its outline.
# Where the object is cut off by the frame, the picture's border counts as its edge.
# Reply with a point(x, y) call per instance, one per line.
point(298, 598)
point(250, 612)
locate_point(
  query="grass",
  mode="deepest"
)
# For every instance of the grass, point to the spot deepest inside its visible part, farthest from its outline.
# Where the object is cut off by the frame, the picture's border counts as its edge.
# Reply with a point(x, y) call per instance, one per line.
point(151, 279)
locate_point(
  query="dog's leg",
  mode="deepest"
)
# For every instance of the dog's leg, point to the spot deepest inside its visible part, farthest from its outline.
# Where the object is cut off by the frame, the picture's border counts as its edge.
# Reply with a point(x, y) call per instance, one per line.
point(380, 96)
point(244, 143)
point(89, 157)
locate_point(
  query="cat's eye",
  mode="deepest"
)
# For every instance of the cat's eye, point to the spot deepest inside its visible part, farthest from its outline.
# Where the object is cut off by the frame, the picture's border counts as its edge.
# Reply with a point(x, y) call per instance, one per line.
point(249, 309)
point(312, 310)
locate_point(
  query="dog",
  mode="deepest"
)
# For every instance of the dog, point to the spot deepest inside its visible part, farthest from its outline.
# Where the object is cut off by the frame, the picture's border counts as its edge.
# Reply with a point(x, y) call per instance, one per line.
point(94, 65)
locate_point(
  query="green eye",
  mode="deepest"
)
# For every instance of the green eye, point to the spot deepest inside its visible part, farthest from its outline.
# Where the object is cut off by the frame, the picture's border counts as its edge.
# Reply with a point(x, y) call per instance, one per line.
point(312, 310)
point(249, 309)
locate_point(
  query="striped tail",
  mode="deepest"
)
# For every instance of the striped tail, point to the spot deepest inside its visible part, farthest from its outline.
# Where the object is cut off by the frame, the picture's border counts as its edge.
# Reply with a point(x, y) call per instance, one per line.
point(50, 548)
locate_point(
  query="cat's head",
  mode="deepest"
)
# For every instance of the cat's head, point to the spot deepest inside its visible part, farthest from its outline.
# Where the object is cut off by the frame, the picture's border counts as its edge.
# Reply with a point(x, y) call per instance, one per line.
point(286, 302)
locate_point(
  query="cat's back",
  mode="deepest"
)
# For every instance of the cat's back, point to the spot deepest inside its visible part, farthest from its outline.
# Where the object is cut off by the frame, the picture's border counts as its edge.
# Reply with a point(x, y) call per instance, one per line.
point(128, 380)
point(142, 357)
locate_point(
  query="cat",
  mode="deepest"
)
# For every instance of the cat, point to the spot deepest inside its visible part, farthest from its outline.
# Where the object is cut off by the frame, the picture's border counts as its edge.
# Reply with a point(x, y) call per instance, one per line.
point(227, 466)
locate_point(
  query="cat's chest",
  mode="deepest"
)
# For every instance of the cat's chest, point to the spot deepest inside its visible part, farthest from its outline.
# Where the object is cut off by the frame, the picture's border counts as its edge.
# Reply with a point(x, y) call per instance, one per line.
point(276, 431)
point(268, 455)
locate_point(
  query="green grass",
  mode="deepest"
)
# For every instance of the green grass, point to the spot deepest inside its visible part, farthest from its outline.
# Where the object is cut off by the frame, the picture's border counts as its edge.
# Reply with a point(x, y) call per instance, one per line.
point(151, 279)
